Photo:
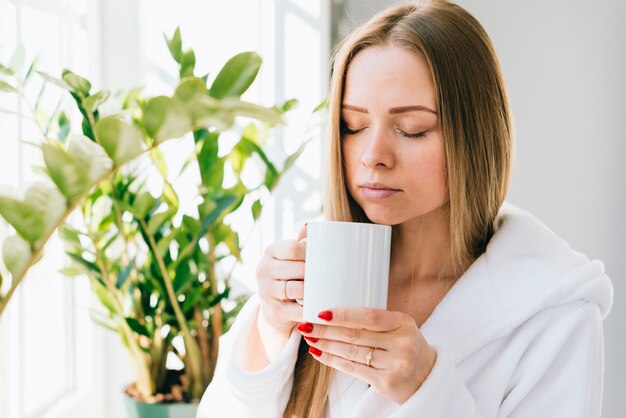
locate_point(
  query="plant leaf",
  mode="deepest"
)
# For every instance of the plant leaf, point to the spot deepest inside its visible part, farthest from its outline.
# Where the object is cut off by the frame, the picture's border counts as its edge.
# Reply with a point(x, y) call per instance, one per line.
point(92, 155)
point(236, 76)
point(69, 174)
point(54, 80)
point(6, 70)
point(166, 118)
point(175, 45)
point(7, 87)
point(251, 110)
point(49, 202)
point(16, 253)
point(77, 83)
point(92, 102)
point(105, 297)
point(26, 219)
point(137, 327)
point(121, 141)
point(17, 59)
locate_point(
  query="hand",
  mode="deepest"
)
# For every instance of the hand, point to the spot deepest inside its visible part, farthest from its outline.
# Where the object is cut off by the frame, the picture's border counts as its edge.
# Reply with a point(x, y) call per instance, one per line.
point(400, 362)
point(280, 275)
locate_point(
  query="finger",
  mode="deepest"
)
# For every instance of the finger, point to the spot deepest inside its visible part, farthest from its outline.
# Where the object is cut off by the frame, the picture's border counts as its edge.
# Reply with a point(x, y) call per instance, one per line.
point(379, 320)
point(292, 311)
point(283, 269)
point(355, 369)
point(302, 233)
point(356, 336)
point(288, 250)
point(352, 352)
point(289, 289)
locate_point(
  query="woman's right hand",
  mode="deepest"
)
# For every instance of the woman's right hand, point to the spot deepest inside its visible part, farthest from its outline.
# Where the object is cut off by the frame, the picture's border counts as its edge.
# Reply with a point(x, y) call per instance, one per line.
point(280, 275)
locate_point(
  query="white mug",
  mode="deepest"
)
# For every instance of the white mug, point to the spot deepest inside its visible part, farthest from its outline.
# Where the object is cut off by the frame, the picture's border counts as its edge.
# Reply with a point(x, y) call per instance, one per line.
point(346, 265)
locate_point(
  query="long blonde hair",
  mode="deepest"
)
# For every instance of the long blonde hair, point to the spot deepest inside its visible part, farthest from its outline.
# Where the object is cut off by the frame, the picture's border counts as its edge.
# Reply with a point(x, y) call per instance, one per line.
point(477, 129)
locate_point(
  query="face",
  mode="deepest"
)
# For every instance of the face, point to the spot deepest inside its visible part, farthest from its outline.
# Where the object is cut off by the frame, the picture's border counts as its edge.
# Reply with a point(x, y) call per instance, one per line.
point(391, 142)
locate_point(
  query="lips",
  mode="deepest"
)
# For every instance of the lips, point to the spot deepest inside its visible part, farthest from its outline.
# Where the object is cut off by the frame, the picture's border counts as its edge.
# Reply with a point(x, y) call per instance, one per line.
point(377, 190)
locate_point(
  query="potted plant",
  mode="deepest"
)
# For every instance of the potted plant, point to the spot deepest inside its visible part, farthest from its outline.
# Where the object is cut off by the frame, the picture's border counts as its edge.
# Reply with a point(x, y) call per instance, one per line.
point(155, 270)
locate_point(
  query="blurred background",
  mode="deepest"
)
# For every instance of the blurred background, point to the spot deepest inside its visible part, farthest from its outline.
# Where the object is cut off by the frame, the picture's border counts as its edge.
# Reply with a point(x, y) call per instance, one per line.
point(564, 63)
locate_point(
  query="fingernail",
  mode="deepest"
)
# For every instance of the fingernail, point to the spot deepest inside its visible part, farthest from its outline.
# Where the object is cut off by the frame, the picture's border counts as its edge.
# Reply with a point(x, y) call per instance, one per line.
point(305, 327)
point(325, 315)
point(312, 339)
point(315, 351)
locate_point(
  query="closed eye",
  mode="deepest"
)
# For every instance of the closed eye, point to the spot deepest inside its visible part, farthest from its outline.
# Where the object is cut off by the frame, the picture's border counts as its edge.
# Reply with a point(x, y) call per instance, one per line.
point(413, 135)
point(345, 130)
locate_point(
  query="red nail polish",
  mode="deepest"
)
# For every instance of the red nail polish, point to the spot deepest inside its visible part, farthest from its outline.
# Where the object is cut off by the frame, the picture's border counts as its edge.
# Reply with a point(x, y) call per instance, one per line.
point(315, 351)
point(325, 315)
point(312, 339)
point(305, 327)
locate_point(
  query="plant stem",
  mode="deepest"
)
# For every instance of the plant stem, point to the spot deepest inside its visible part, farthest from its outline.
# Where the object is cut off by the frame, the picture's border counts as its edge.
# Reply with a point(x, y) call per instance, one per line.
point(192, 350)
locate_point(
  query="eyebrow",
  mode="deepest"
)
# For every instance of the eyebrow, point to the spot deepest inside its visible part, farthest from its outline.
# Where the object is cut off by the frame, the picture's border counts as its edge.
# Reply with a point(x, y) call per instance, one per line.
point(393, 110)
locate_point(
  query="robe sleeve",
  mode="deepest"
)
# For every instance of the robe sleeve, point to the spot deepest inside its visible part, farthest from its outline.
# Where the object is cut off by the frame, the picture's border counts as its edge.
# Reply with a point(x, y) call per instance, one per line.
point(559, 375)
point(237, 393)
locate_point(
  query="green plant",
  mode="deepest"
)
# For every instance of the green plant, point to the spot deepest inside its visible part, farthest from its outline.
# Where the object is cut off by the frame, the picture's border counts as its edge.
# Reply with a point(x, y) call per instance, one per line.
point(153, 268)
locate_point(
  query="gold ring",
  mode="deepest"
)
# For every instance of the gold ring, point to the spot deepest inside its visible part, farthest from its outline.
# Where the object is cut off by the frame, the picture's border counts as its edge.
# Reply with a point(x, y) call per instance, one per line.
point(285, 290)
point(369, 356)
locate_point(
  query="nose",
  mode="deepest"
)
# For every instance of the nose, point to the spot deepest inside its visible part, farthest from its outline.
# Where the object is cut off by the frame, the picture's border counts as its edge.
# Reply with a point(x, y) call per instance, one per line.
point(379, 149)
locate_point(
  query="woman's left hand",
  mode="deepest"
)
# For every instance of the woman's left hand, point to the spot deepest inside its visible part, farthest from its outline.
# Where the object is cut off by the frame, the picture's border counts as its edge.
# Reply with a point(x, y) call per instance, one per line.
point(400, 361)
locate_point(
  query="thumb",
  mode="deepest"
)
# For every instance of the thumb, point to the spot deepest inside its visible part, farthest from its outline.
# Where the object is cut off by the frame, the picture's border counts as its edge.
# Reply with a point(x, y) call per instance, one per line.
point(302, 233)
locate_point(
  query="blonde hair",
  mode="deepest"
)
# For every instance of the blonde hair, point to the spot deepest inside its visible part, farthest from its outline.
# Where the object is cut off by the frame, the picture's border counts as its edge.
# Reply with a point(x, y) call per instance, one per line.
point(477, 131)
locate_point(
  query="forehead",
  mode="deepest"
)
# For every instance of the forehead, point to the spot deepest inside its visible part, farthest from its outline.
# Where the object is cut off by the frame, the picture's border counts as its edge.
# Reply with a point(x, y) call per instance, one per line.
point(388, 75)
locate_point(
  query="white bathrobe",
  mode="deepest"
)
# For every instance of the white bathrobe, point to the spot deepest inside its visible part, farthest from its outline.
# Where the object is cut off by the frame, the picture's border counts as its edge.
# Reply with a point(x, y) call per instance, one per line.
point(518, 335)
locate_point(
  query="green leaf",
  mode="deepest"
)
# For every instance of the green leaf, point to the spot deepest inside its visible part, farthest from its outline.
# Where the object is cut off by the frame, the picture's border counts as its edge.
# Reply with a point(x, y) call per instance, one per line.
point(121, 140)
point(143, 205)
point(30, 71)
point(16, 253)
point(53, 80)
point(7, 87)
point(158, 220)
point(166, 118)
point(49, 202)
point(17, 59)
point(175, 45)
point(89, 265)
point(92, 156)
point(271, 178)
point(183, 278)
point(290, 161)
point(256, 209)
point(6, 70)
point(321, 106)
point(124, 273)
point(137, 327)
point(69, 174)
point(187, 64)
point(236, 75)
point(211, 165)
point(191, 299)
point(251, 110)
point(289, 105)
point(64, 126)
point(105, 297)
point(23, 217)
point(77, 83)
point(224, 233)
point(72, 271)
point(92, 102)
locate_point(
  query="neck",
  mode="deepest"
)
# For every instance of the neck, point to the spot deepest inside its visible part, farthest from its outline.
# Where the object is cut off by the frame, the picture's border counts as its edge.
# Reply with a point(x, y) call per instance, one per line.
point(419, 248)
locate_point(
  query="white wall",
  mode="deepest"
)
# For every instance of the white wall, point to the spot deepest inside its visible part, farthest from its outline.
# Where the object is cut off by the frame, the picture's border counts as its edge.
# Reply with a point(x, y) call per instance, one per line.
point(564, 62)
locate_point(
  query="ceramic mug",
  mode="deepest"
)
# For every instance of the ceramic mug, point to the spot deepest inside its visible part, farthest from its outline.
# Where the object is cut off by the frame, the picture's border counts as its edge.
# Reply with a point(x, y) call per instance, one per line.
point(346, 265)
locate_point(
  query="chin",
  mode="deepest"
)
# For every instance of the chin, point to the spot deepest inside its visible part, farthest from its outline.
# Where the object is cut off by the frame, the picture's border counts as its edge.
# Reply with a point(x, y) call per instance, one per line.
point(385, 216)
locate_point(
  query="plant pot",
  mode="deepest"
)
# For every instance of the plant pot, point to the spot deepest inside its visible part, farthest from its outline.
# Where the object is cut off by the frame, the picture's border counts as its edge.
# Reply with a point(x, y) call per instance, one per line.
point(136, 409)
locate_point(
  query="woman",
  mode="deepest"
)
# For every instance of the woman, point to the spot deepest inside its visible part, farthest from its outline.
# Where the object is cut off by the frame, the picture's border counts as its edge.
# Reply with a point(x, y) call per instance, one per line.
point(489, 313)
